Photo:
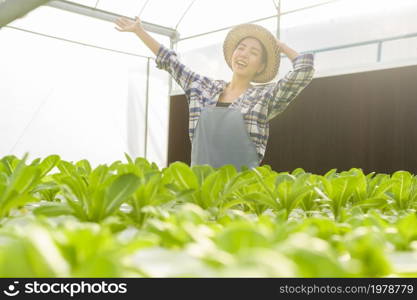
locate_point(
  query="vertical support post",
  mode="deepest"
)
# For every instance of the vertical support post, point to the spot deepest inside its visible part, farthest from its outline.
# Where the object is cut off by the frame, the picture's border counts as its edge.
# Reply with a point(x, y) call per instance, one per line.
point(147, 107)
point(379, 53)
point(171, 46)
point(278, 7)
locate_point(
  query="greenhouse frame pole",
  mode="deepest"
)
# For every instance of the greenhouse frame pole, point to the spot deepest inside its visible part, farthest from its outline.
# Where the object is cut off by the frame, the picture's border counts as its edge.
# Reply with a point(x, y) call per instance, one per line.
point(108, 16)
point(278, 7)
point(147, 107)
point(171, 46)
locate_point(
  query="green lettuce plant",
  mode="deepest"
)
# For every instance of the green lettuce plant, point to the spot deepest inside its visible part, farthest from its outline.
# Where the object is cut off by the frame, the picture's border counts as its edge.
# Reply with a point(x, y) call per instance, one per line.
point(90, 197)
point(19, 181)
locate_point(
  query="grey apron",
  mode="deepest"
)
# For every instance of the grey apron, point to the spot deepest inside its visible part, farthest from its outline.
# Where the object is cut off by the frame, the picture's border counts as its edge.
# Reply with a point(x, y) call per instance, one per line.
point(221, 138)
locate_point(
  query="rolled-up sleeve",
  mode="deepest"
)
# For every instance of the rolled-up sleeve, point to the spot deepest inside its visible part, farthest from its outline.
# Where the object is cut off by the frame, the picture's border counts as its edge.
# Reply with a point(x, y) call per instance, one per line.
point(286, 89)
point(167, 59)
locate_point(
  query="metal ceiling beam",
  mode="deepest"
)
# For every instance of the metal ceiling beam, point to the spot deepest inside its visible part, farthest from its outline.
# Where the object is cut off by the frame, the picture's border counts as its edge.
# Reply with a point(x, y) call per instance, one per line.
point(277, 4)
point(185, 12)
point(109, 16)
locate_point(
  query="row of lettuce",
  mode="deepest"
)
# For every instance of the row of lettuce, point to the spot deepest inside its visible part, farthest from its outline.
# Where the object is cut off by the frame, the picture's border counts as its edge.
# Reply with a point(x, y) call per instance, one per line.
point(66, 219)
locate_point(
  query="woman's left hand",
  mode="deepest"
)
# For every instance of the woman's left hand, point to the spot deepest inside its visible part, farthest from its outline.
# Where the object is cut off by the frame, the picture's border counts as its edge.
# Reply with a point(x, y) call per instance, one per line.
point(290, 53)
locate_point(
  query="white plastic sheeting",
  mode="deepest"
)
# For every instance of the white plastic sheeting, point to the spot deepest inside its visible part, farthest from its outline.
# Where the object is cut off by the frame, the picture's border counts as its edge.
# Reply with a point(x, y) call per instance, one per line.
point(59, 97)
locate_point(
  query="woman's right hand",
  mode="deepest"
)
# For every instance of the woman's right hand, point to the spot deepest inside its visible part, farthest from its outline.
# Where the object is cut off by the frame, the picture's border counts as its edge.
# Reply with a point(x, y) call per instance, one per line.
point(127, 25)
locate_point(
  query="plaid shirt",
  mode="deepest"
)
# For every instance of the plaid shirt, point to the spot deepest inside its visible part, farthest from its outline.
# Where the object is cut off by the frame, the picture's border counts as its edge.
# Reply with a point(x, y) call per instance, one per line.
point(258, 105)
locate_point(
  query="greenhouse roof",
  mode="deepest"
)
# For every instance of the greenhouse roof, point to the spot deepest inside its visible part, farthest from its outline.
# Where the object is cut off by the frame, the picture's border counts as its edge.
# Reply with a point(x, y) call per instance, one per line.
point(192, 17)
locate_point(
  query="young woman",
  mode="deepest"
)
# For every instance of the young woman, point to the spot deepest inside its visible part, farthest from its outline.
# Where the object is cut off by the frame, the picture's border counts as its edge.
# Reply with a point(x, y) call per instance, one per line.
point(228, 121)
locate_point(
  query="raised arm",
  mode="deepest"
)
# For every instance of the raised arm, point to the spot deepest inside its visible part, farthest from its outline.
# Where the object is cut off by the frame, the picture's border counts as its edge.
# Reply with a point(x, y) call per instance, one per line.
point(166, 58)
point(287, 88)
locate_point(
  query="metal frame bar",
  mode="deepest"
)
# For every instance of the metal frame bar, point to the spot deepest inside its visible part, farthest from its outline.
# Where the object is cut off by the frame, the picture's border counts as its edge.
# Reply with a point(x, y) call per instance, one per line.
point(146, 108)
point(143, 8)
point(278, 8)
point(184, 13)
point(378, 41)
point(108, 16)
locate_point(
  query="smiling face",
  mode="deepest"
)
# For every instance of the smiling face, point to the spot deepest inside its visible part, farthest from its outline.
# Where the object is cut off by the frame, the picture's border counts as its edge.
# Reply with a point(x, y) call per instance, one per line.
point(249, 58)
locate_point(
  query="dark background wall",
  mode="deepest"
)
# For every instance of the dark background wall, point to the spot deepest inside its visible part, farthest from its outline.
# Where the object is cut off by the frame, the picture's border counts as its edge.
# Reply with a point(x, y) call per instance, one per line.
point(365, 120)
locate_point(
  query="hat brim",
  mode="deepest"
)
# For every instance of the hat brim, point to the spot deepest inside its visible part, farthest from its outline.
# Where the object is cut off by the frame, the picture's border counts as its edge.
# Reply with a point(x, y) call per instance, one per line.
point(268, 40)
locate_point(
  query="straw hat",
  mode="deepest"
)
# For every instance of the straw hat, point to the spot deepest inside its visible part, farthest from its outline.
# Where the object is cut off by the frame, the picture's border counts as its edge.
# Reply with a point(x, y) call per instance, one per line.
point(237, 33)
